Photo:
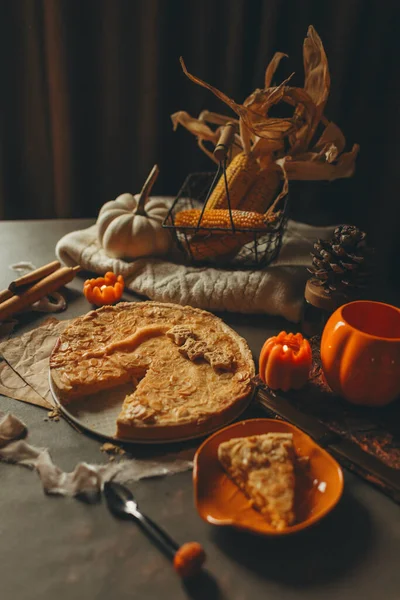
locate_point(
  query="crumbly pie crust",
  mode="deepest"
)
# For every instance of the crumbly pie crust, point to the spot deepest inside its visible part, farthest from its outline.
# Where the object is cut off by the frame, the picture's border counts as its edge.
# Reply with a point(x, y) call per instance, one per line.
point(263, 467)
point(194, 371)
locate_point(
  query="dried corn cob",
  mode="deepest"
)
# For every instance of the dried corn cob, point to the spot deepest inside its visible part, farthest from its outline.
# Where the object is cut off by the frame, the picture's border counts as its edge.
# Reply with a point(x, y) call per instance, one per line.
point(240, 175)
point(220, 218)
point(218, 246)
point(262, 191)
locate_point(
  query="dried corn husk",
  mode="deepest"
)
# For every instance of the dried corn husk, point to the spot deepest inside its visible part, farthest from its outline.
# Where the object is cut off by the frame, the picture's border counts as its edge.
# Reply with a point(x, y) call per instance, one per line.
point(204, 133)
point(299, 169)
point(331, 135)
point(270, 140)
point(317, 80)
point(215, 118)
point(257, 123)
point(195, 126)
point(272, 67)
point(280, 164)
point(245, 136)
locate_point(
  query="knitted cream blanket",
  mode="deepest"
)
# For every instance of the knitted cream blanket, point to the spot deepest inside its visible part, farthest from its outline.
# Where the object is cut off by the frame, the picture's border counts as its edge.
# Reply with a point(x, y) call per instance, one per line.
point(275, 290)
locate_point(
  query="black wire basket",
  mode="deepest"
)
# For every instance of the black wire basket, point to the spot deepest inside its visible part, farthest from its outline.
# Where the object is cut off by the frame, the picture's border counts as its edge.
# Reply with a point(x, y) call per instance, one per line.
point(238, 248)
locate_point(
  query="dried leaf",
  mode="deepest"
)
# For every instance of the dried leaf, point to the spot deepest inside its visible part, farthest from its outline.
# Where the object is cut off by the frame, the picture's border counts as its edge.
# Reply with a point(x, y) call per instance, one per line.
point(307, 156)
point(195, 126)
point(216, 118)
point(237, 142)
point(266, 137)
point(245, 136)
point(317, 171)
point(330, 152)
point(257, 123)
point(264, 146)
point(317, 80)
point(265, 159)
point(212, 89)
point(272, 67)
point(201, 131)
point(269, 128)
point(304, 117)
point(203, 148)
point(261, 101)
point(234, 151)
point(204, 133)
point(281, 164)
point(331, 135)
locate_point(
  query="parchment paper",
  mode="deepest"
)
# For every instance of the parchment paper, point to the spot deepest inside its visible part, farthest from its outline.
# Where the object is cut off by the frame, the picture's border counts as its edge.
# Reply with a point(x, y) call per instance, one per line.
point(13, 386)
point(24, 370)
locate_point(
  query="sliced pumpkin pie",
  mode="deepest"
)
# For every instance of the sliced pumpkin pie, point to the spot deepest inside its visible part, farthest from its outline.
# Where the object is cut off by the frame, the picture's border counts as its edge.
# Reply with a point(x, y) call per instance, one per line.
point(190, 372)
point(262, 466)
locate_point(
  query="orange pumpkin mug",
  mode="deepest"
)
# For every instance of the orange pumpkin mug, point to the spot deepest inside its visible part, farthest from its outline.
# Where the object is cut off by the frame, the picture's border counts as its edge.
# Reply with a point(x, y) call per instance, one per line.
point(360, 352)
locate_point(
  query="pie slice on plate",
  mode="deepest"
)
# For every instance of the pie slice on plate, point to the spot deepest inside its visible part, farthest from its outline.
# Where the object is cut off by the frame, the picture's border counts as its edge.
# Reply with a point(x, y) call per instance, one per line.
point(262, 466)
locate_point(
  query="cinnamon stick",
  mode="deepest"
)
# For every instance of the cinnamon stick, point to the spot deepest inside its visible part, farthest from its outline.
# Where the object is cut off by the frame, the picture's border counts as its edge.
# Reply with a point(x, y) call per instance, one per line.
point(34, 276)
point(38, 290)
point(5, 295)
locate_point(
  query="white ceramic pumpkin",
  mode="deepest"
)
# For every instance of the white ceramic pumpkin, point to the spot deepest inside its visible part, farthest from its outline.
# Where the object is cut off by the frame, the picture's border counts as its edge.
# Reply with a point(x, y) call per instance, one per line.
point(130, 227)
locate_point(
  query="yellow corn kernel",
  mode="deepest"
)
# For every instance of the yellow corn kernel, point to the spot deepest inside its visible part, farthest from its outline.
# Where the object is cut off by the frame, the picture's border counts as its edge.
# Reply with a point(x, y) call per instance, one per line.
point(220, 218)
point(262, 192)
point(240, 175)
point(217, 246)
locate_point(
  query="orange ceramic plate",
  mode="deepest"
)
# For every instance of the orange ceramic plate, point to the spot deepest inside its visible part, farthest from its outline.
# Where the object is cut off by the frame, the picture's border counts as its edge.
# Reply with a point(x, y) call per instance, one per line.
point(220, 502)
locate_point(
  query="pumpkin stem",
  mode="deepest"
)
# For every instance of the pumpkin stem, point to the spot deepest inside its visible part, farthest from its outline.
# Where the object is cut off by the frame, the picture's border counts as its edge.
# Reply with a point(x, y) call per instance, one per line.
point(146, 189)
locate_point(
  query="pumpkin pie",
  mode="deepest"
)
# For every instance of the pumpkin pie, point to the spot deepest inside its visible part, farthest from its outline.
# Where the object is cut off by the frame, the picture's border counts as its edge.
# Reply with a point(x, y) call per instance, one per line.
point(190, 372)
point(262, 466)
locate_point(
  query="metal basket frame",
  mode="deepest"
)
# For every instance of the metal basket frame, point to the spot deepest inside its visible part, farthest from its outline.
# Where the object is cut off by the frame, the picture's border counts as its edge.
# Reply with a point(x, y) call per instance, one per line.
point(257, 253)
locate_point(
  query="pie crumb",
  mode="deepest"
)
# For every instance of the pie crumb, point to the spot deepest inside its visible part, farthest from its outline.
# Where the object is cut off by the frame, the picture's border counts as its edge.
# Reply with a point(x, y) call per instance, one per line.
point(54, 414)
point(112, 449)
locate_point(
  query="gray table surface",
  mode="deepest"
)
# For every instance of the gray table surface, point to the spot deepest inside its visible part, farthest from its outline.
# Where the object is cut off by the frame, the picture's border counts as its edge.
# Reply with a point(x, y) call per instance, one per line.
point(61, 548)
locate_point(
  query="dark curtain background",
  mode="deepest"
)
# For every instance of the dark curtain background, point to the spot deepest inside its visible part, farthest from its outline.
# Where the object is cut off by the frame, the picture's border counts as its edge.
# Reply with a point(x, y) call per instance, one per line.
point(88, 87)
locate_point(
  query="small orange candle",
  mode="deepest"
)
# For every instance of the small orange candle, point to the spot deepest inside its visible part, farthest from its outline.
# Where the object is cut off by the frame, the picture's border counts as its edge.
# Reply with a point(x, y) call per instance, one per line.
point(285, 361)
point(104, 290)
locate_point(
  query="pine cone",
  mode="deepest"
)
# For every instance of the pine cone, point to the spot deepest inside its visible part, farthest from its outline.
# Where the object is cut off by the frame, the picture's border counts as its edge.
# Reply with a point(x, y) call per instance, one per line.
point(348, 235)
point(342, 264)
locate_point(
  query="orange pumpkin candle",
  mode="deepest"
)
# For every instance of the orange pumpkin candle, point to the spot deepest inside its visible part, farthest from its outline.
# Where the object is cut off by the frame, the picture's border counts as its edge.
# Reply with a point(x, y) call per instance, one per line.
point(285, 361)
point(104, 290)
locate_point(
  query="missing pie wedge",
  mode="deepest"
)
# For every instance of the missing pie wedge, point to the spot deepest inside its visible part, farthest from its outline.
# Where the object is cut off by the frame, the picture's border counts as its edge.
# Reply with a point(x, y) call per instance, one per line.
point(190, 372)
point(262, 466)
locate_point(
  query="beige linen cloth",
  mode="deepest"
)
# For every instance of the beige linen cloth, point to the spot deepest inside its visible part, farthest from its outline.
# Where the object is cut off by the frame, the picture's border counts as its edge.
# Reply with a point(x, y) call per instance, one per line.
point(86, 479)
point(275, 290)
